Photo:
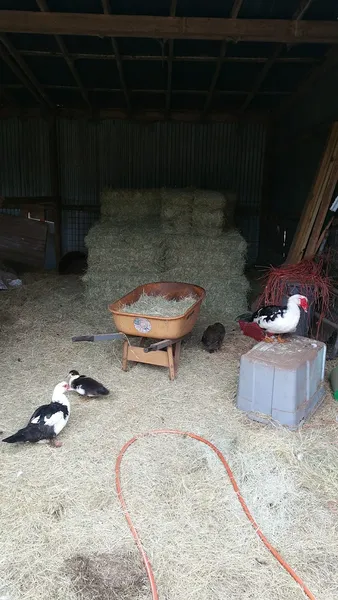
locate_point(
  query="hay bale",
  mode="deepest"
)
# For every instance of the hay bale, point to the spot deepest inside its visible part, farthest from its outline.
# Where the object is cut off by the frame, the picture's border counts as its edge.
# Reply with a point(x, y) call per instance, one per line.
point(223, 256)
point(209, 200)
point(209, 223)
point(176, 211)
point(225, 297)
point(130, 205)
point(114, 250)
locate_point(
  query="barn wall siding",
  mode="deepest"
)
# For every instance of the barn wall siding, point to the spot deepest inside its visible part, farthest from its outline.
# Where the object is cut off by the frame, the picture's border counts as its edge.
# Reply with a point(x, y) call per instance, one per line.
point(95, 154)
point(298, 147)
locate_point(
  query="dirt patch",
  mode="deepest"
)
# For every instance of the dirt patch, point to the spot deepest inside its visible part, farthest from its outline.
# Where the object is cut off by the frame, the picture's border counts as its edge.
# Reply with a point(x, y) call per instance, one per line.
point(106, 576)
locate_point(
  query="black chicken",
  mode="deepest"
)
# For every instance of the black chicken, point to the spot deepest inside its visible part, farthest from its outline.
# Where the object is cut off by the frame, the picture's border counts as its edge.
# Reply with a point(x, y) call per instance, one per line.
point(213, 337)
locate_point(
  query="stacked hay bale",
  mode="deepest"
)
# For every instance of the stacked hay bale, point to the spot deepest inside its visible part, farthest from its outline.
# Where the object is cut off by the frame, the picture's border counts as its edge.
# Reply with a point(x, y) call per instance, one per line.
point(167, 235)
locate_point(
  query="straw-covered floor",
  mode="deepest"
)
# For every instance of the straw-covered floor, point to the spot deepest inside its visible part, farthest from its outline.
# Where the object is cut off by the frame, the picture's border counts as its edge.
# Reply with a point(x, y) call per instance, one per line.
point(62, 531)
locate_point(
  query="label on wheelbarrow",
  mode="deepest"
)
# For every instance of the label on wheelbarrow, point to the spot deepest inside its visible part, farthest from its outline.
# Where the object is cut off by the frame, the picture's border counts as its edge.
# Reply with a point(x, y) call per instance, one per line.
point(142, 325)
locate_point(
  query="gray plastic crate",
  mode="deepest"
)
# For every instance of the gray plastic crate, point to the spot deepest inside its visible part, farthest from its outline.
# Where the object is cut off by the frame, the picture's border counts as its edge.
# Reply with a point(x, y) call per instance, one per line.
point(282, 382)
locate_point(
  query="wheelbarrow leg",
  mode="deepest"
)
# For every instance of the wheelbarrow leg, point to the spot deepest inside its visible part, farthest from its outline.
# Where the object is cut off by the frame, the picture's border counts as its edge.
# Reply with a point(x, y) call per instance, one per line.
point(171, 363)
point(125, 356)
point(177, 354)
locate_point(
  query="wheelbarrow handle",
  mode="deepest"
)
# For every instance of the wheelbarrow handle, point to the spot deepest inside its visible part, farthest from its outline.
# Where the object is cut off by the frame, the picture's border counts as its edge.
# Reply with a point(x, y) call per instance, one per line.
point(99, 337)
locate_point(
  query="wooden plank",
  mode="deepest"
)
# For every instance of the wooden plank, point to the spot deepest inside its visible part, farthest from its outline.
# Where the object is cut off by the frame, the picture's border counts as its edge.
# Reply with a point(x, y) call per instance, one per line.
point(264, 30)
point(158, 357)
point(236, 7)
point(22, 240)
point(22, 201)
point(311, 208)
point(261, 76)
point(42, 96)
point(21, 77)
point(177, 58)
point(223, 50)
point(107, 11)
point(43, 6)
point(324, 207)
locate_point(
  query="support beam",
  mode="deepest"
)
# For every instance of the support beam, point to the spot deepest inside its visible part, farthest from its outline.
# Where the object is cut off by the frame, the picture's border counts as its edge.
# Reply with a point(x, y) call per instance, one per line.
point(214, 79)
point(255, 30)
point(237, 5)
point(21, 77)
point(107, 11)
point(261, 77)
point(29, 76)
point(297, 16)
point(301, 10)
point(152, 116)
point(170, 63)
point(330, 62)
point(43, 6)
point(14, 86)
point(159, 58)
point(234, 13)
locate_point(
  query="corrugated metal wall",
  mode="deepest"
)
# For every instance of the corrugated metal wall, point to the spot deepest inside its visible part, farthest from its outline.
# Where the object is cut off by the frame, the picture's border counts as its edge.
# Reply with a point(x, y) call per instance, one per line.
point(94, 154)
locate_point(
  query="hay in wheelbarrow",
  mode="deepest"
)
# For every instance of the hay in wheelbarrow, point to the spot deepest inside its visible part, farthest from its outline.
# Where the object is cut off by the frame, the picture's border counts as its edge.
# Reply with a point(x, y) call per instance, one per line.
point(159, 306)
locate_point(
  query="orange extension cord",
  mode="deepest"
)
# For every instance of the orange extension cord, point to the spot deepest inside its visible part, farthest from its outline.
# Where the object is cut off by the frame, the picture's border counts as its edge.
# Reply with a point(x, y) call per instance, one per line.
point(136, 536)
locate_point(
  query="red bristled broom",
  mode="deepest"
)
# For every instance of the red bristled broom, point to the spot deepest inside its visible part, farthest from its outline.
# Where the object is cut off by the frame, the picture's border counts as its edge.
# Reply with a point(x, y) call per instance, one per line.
point(311, 279)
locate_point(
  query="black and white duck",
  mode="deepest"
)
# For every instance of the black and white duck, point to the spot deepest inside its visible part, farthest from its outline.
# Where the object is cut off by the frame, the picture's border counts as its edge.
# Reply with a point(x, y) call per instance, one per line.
point(47, 421)
point(212, 338)
point(86, 386)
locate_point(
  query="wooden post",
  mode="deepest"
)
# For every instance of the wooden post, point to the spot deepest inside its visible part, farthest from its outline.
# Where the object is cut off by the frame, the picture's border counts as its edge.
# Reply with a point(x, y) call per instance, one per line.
point(55, 186)
point(319, 191)
point(125, 356)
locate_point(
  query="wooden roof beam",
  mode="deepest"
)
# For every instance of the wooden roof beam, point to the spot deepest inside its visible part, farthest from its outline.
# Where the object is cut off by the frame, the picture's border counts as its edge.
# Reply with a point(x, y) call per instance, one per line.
point(173, 5)
point(14, 86)
point(263, 30)
point(18, 65)
point(176, 58)
point(301, 10)
point(43, 6)
point(262, 75)
point(106, 10)
point(330, 62)
point(234, 13)
point(214, 79)
point(237, 5)
point(21, 76)
point(298, 14)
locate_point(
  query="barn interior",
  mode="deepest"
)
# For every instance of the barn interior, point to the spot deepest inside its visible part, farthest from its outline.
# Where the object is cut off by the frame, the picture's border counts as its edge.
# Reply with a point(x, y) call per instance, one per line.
point(168, 141)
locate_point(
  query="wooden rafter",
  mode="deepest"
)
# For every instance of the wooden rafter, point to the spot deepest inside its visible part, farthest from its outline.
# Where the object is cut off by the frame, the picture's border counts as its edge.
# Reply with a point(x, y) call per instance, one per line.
point(170, 62)
point(43, 6)
point(107, 11)
point(301, 10)
point(317, 203)
point(188, 116)
point(330, 62)
point(297, 16)
point(19, 67)
point(258, 30)
point(237, 5)
point(262, 75)
point(156, 91)
point(4, 55)
point(214, 79)
point(234, 14)
point(145, 57)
